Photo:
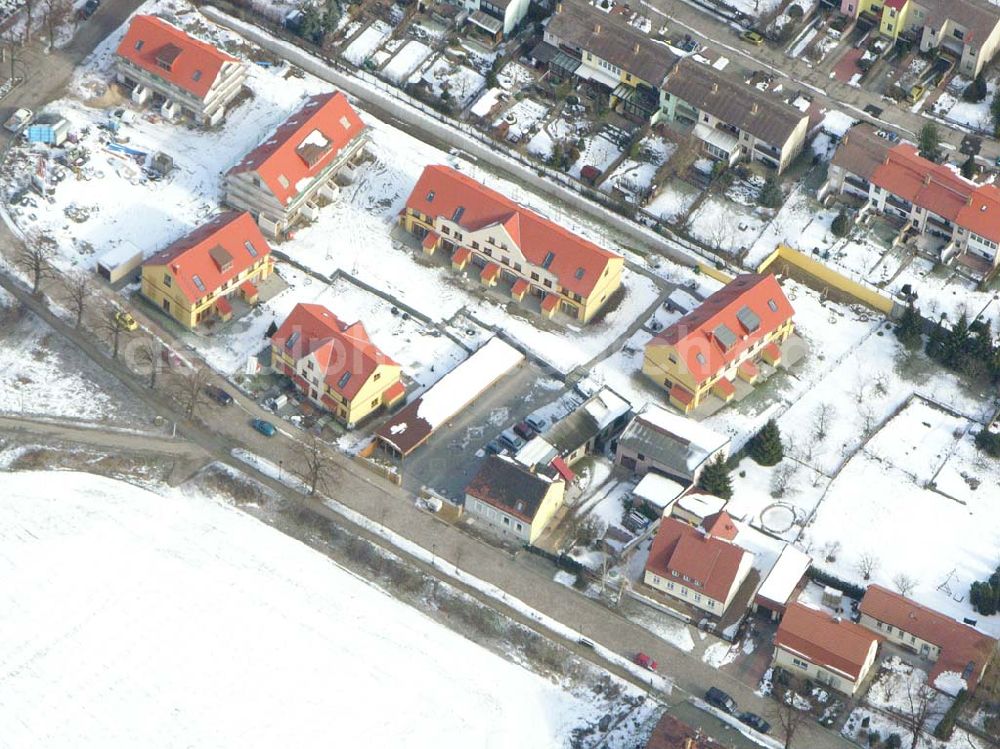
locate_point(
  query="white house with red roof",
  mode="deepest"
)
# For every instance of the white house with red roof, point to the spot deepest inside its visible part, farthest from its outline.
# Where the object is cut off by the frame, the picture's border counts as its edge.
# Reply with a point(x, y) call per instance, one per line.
point(721, 340)
point(196, 277)
point(931, 198)
point(299, 163)
point(701, 566)
point(335, 364)
point(182, 76)
point(509, 245)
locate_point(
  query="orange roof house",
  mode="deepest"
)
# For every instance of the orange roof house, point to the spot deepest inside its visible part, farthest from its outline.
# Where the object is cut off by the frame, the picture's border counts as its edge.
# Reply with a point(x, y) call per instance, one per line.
point(193, 75)
point(299, 161)
point(960, 652)
point(696, 566)
point(704, 351)
point(465, 214)
point(816, 645)
point(335, 364)
point(215, 261)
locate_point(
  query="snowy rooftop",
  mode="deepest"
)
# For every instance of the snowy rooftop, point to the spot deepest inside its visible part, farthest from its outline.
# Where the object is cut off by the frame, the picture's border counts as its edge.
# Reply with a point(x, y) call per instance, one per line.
point(658, 490)
point(786, 573)
point(701, 505)
point(536, 451)
point(681, 426)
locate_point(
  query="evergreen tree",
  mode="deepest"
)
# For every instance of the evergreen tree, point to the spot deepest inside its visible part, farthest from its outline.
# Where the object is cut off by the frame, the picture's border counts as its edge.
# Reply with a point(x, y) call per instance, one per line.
point(955, 343)
point(910, 327)
point(935, 343)
point(975, 91)
point(715, 479)
point(969, 167)
point(930, 141)
point(766, 447)
point(771, 195)
point(995, 112)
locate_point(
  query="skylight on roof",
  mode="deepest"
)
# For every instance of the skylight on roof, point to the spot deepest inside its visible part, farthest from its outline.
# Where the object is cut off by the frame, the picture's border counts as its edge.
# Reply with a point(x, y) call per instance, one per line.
point(579, 273)
point(292, 339)
point(700, 357)
point(198, 282)
point(196, 75)
point(343, 379)
point(345, 123)
point(773, 305)
point(726, 337)
point(430, 196)
point(458, 214)
point(250, 248)
point(138, 45)
point(549, 257)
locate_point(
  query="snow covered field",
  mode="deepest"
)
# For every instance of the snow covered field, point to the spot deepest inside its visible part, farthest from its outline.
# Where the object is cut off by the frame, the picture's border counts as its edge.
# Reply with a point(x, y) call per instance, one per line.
point(173, 619)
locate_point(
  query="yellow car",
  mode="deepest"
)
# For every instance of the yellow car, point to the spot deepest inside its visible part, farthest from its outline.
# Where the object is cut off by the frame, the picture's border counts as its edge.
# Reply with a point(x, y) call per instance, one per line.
point(752, 37)
point(126, 321)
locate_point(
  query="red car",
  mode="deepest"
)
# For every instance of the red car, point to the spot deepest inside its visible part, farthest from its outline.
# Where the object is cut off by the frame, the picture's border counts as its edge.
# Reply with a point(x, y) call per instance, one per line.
point(645, 661)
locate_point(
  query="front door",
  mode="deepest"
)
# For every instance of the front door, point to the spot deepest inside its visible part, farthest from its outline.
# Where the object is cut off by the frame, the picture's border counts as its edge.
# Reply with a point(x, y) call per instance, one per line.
point(166, 305)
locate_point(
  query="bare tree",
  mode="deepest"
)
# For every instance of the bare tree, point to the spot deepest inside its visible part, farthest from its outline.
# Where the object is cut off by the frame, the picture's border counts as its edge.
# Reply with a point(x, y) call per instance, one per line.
point(189, 388)
point(920, 707)
point(822, 417)
point(316, 466)
point(35, 258)
point(868, 418)
point(54, 14)
point(831, 550)
point(867, 564)
point(789, 718)
point(904, 584)
point(148, 355)
point(882, 383)
point(782, 477)
point(683, 156)
point(112, 324)
point(719, 234)
point(29, 8)
point(76, 292)
point(862, 383)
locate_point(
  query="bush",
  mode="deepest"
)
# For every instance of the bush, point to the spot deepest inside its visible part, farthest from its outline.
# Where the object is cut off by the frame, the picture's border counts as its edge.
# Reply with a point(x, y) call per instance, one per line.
point(893, 741)
point(985, 595)
point(988, 442)
point(825, 578)
point(946, 727)
point(975, 91)
point(841, 225)
point(771, 195)
point(795, 12)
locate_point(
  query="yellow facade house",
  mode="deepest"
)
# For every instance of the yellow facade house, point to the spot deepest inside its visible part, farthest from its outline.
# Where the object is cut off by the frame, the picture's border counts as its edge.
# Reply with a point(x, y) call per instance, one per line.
point(335, 365)
point(514, 500)
point(723, 339)
point(194, 278)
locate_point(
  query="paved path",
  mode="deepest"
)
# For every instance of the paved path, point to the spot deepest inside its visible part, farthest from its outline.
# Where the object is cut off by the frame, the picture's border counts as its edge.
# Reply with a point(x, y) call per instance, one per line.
point(97, 435)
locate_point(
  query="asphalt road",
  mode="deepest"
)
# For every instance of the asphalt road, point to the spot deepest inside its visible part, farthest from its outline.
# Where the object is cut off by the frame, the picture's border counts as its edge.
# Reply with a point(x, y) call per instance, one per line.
point(218, 431)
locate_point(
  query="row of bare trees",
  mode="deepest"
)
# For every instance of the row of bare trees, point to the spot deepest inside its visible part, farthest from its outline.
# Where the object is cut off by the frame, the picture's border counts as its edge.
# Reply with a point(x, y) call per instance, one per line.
point(52, 14)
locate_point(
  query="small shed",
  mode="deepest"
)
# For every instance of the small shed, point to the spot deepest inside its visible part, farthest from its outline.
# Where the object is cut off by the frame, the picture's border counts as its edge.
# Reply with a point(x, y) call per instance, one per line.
point(118, 262)
point(657, 492)
point(49, 128)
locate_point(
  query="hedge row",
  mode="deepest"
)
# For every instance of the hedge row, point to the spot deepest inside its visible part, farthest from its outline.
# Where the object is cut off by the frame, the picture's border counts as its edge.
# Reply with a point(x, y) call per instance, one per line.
point(825, 578)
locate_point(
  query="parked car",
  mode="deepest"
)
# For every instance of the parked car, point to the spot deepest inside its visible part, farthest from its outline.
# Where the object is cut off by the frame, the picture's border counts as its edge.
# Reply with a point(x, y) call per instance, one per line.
point(219, 395)
point(752, 37)
point(524, 430)
point(509, 439)
point(89, 8)
point(264, 427)
point(915, 93)
point(125, 320)
point(18, 120)
point(538, 422)
point(641, 659)
point(493, 447)
point(717, 698)
point(756, 722)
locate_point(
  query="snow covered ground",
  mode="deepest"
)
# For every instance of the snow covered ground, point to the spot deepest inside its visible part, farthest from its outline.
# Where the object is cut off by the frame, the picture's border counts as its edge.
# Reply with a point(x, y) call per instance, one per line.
point(156, 619)
point(462, 83)
point(637, 174)
point(367, 42)
point(599, 151)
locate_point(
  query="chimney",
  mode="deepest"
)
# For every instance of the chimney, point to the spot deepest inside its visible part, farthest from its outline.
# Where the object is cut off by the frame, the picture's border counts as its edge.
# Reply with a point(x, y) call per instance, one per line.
point(597, 28)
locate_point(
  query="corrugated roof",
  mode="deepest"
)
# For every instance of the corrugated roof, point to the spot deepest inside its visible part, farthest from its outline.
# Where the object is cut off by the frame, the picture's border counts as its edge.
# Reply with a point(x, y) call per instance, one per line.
point(190, 258)
point(304, 145)
point(836, 644)
point(164, 50)
point(694, 336)
point(677, 443)
point(345, 355)
point(960, 644)
point(577, 263)
point(757, 112)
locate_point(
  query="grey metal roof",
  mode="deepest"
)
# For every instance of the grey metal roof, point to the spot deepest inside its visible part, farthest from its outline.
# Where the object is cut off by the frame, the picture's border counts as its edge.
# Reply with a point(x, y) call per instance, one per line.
point(673, 453)
point(762, 115)
point(609, 36)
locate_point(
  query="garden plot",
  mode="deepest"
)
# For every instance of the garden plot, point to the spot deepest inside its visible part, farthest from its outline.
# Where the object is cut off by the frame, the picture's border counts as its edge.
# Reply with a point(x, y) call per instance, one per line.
point(673, 200)
point(462, 83)
point(636, 175)
point(599, 150)
point(800, 223)
point(557, 130)
point(210, 604)
point(726, 226)
point(365, 44)
point(410, 57)
point(873, 501)
point(514, 76)
point(777, 500)
point(522, 118)
point(942, 291)
point(974, 115)
point(968, 473)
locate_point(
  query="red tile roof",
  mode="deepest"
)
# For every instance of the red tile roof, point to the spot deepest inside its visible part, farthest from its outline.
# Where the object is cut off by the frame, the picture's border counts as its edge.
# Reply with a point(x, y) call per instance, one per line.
point(960, 644)
point(670, 733)
point(936, 188)
point(489, 272)
point(896, 4)
point(700, 335)
point(345, 356)
point(213, 254)
point(304, 145)
point(680, 548)
point(194, 64)
point(836, 644)
point(520, 287)
point(396, 391)
point(720, 525)
point(222, 304)
point(550, 302)
point(562, 469)
point(575, 261)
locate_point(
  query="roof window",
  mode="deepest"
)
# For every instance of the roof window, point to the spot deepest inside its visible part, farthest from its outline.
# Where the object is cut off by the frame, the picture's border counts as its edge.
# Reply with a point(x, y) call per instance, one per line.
point(700, 357)
point(283, 180)
point(579, 273)
point(343, 379)
point(773, 305)
point(549, 257)
point(457, 216)
point(345, 123)
point(199, 283)
point(430, 196)
point(138, 45)
point(250, 248)
point(196, 75)
point(292, 339)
